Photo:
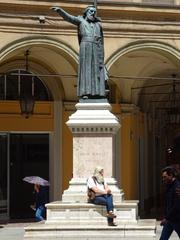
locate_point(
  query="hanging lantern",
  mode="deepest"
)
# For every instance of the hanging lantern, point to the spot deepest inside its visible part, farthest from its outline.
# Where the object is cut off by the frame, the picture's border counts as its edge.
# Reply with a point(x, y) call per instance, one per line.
point(27, 100)
point(27, 105)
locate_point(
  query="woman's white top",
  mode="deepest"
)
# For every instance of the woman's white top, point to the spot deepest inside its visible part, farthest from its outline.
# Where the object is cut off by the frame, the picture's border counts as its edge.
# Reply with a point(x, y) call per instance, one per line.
point(91, 183)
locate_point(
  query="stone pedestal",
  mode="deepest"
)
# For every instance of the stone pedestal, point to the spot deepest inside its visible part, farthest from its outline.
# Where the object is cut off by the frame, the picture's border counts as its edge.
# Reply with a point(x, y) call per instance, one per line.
point(93, 127)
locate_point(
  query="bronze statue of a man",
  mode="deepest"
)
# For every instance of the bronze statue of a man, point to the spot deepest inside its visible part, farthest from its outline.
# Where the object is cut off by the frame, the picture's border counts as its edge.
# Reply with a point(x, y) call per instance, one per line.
point(92, 73)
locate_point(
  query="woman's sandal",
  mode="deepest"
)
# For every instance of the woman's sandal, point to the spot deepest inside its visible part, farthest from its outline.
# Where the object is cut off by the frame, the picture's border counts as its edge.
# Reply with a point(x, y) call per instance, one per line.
point(112, 224)
point(111, 215)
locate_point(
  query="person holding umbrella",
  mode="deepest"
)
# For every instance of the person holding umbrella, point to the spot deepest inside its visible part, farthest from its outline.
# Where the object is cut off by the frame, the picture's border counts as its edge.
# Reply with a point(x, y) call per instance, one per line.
point(41, 198)
point(41, 195)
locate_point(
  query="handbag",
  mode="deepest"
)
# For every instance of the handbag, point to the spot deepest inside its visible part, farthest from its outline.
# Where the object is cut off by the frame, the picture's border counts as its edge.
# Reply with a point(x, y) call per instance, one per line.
point(90, 193)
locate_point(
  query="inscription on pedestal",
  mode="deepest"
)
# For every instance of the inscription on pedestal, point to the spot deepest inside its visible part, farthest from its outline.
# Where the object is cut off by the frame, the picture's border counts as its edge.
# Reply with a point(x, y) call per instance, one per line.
point(90, 151)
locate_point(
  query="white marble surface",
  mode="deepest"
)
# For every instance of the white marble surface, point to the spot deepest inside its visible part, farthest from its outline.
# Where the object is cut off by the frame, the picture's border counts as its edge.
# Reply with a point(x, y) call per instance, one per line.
point(94, 117)
point(86, 213)
point(92, 150)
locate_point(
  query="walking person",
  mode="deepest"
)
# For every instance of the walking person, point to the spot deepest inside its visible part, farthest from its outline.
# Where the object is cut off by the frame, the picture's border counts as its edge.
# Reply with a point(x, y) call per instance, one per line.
point(102, 193)
point(41, 198)
point(40, 195)
point(171, 221)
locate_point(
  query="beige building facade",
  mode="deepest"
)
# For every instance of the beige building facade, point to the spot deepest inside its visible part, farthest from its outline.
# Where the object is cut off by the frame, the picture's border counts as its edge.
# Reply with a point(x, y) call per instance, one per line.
point(142, 52)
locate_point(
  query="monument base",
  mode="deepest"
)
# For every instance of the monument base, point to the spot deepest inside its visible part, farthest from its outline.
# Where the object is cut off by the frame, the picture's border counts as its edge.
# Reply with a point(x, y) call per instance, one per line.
point(79, 221)
point(93, 127)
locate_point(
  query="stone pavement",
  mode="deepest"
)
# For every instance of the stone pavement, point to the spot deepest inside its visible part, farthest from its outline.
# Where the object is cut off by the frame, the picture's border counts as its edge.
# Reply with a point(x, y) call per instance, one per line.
point(15, 231)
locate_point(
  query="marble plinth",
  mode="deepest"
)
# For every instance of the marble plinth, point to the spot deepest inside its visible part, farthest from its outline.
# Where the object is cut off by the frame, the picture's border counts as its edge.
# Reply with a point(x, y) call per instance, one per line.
point(89, 214)
point(93, 127)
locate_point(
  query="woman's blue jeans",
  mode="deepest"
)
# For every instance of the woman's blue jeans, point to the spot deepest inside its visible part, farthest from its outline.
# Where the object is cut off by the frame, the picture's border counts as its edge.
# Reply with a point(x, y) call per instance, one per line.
point(106, 200)
point(40, 213)
point(168, 228)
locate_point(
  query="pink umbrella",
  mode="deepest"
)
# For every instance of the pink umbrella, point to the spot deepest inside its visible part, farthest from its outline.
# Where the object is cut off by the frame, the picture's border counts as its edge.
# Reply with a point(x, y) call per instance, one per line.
point(36, 180)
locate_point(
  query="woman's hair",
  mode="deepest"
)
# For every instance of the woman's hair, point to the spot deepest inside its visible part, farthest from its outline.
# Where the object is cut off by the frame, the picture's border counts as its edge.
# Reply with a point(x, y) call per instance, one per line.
point(98, 175)
point(97, 170)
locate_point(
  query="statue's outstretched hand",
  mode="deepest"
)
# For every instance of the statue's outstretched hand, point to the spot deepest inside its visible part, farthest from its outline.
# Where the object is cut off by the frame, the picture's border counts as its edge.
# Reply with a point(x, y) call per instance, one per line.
point(55, 9)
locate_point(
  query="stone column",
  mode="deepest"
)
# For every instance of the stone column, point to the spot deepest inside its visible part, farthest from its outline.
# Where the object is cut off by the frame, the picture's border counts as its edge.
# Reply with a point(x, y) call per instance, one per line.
point(93, 127)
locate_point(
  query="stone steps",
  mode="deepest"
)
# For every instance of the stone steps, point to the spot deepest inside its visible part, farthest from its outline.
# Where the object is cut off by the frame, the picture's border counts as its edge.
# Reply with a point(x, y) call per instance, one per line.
point(144, 229)
point(71, 221)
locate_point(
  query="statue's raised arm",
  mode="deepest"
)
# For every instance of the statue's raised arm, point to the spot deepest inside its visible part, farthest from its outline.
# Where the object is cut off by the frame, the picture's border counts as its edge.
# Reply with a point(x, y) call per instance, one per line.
point(92, 73)
point(66, 16)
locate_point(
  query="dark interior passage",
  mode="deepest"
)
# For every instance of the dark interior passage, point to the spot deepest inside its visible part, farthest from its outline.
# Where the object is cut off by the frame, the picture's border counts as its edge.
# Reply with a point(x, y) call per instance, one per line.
point(29, 156)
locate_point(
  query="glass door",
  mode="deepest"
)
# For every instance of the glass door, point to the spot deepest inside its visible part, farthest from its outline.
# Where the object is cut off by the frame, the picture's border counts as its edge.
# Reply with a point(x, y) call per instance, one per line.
point(4, 177)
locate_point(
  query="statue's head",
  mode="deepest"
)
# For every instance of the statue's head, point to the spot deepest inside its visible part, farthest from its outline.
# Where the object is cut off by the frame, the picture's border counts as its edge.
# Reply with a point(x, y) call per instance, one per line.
point(89, 13)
